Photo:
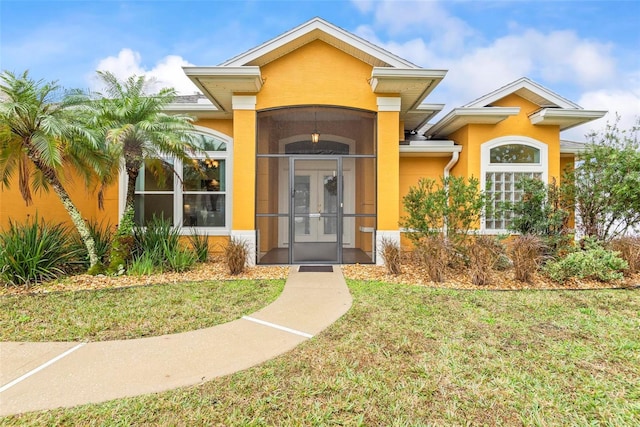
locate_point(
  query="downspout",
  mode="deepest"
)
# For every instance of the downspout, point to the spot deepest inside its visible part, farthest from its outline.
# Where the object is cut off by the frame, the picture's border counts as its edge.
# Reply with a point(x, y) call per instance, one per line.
point(454, 159)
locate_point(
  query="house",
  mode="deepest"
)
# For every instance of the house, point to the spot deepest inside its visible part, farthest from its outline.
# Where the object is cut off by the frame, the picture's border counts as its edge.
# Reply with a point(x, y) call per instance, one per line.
point(313, 138)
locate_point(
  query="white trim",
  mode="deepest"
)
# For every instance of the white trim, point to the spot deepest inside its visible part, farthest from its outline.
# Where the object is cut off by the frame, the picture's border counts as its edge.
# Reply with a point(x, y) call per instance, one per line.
point(244, 102)
point(178, 219)
point(389, 103)
point(460, 117)
point(566, 119)
point(485, 167)
point(524, 83)
point(324, 30)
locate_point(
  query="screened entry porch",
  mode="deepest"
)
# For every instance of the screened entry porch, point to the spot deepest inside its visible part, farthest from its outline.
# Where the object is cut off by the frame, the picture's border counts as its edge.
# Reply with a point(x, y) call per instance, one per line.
point(316, 170)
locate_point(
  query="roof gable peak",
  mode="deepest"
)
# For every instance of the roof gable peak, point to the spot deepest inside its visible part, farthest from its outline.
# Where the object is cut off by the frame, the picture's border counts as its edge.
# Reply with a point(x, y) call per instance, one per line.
point(319, 29)
point(529, 90)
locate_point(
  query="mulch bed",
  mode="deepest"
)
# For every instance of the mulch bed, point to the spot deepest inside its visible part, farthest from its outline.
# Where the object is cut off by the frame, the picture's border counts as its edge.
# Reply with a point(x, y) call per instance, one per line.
point(216, 270)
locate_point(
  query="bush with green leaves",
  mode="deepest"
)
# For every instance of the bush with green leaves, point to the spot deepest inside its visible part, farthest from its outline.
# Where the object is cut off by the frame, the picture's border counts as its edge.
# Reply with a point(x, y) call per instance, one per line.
point(605, 182)
point(200, 245)
point(544, 211)
point(35, 251)
point(102, 233)
point(591, 262)
point(452, 207)
point(159, 243)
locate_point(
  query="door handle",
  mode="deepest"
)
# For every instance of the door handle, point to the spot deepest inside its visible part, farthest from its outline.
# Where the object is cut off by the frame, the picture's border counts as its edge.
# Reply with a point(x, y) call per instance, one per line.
point(314, 215)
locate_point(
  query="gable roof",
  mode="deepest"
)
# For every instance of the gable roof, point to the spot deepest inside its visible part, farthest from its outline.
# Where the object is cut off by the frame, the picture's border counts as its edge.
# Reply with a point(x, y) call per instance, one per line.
point(527, 89)
point(390, 75)
point(554, 110)
point(318, 29)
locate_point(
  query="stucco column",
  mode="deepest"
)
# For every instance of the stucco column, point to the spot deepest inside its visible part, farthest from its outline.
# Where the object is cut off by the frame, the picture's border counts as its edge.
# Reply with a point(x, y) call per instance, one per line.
point(244, 172)
point(388, 171)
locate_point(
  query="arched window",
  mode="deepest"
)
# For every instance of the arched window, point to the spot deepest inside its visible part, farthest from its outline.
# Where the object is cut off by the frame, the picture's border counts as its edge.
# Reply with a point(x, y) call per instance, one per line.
point(505, 161)
point(192, 194)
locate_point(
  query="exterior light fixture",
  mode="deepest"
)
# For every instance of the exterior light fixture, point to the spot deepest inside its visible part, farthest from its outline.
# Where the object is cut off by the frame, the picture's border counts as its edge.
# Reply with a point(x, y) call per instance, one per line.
point(315, 136)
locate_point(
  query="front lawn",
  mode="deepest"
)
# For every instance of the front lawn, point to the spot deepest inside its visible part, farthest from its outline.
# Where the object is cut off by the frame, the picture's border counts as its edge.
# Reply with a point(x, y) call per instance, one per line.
point(131, 312)
point(410, 355)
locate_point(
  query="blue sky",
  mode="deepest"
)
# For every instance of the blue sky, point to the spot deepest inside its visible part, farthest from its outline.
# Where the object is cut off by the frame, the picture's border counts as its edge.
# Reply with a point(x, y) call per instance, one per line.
point(586, 51)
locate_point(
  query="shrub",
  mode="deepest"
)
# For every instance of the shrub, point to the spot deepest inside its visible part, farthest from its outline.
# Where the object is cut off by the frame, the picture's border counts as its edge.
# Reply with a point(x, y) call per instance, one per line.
point(122, 245)
point(452, 207)
point(392, 256)
point(542, 210)
point(629, 250)
point(143, 265)
point(159, 242)
point(200, 245)
point(102, 234)
point(592, 262)
point(484, 253)
point(35, 251)
point(527, 254)
point(433, 253)
point(235, 254)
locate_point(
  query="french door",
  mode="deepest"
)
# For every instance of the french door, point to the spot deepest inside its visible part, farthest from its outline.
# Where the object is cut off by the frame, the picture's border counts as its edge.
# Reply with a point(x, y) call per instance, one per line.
point(316, 209)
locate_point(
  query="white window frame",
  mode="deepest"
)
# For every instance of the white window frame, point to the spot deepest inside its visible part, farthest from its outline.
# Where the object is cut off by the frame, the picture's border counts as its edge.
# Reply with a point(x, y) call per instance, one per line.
point(178, 192)
point(487, 167)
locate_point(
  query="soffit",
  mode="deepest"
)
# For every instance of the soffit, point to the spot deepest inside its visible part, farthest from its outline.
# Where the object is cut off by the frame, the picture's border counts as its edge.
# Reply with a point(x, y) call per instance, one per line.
point(565, 119)
point(220, 83)
point(460, 117)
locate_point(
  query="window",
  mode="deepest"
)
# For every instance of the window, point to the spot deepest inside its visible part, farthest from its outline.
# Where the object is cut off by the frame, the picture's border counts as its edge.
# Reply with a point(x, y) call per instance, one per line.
point(191, 193)
point(504, 162)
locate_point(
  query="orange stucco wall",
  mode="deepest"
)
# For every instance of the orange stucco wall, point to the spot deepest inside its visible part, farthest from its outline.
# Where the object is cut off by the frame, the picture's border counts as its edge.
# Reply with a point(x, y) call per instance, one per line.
point(47, 205)
point(471, 137)
point(412, 169)
point(316, 73)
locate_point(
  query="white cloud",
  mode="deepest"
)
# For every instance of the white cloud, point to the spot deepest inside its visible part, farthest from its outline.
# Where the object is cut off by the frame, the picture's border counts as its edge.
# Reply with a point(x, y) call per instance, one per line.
point(625, 104)
point(166, 73)
point(584, 70)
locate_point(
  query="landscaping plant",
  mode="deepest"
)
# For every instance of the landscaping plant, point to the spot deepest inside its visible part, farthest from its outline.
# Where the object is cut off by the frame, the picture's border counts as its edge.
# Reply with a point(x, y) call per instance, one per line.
point(42, 138)
point(433, 255)
point(236, 255)
point(628, 248)
point(35, 251)
point(159, 242)
point(200, 245)
point(605, 183)
point(484, 254)
point(527, 254)
point(542, 210)
point(391, 254)
point(591, 262)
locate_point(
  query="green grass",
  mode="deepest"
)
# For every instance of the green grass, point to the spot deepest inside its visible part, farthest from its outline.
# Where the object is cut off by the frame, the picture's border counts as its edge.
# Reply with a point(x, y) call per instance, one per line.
point(133, 312)
point(406, 355)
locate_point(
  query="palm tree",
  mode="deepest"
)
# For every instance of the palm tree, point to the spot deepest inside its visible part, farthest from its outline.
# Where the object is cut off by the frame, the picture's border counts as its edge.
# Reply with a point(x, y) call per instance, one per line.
point(136, 128)
point(41, 137)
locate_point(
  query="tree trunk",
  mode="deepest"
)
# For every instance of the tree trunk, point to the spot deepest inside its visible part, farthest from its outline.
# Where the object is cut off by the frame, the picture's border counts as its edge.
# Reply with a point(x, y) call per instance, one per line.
point(71, 209)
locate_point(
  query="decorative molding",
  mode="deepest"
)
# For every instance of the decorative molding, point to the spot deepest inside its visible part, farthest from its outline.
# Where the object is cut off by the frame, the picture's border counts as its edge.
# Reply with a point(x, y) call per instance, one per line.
point(389, 103)
point(244, 102)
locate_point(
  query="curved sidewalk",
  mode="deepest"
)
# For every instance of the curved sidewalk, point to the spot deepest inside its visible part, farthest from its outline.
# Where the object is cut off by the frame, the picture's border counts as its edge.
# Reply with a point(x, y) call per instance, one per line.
point(38, 376)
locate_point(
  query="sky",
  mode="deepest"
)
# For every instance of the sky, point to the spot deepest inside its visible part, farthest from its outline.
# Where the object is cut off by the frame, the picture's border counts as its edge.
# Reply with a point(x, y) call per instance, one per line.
point(585, 51)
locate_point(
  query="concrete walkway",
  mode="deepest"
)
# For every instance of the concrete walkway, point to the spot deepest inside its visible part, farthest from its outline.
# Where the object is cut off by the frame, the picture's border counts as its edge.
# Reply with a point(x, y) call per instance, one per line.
point(37, 376)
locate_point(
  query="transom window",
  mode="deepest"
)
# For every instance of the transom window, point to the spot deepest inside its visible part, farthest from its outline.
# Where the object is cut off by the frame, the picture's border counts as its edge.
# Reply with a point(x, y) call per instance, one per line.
point(505, 161)
point(189, 194)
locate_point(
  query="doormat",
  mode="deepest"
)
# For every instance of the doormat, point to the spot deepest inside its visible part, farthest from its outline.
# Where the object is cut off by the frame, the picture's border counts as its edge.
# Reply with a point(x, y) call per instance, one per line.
point(315, 269)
